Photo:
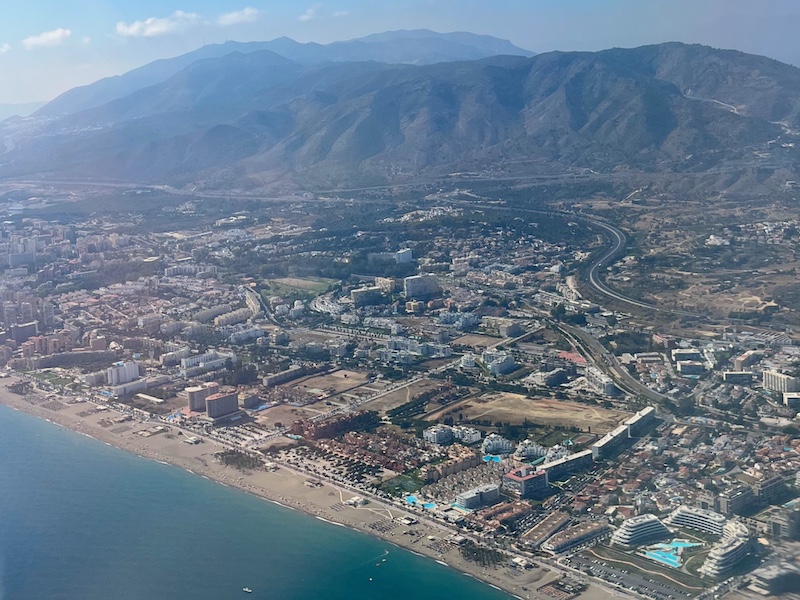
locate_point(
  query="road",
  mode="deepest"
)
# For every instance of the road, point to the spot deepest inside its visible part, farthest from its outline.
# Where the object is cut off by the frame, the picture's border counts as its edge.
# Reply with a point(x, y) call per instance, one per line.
point(592, 273)
point(618, 241)
point(609, 363)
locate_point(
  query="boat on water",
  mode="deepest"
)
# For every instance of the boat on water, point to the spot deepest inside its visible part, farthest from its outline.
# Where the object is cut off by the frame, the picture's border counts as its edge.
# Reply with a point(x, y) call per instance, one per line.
point(247, 590)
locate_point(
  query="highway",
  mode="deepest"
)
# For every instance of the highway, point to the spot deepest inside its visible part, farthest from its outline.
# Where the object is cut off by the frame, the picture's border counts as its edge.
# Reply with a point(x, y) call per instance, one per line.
point(592, 273)
point(609, 363)
point(618, 241)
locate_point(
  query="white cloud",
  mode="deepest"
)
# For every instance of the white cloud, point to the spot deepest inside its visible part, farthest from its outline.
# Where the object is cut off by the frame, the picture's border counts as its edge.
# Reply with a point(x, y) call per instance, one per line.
point(48, 38)
point(310, 13)
point(341, 13)
point(5, 48)
point(86, 40)
point(155, 26)
point(246, 15)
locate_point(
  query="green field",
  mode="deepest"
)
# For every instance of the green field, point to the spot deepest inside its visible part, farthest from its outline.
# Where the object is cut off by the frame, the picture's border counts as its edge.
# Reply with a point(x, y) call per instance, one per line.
point(297, 287)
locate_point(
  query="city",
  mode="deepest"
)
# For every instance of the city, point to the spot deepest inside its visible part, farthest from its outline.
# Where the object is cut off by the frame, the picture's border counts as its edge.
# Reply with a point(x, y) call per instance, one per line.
point(447, 367)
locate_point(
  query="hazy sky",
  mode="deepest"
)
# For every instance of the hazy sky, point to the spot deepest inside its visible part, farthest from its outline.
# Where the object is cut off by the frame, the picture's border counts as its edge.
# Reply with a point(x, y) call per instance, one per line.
point(49, 46)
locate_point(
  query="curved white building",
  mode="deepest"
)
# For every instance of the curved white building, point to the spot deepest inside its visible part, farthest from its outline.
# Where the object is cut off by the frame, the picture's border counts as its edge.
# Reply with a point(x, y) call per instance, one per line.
point(639, 530)
point(496, 444)
point(732, 548)
point(697, 518)
point(528, 449)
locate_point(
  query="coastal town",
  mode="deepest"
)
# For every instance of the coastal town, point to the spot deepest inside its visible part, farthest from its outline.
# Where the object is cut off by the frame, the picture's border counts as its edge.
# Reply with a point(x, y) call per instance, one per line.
point(440, 373)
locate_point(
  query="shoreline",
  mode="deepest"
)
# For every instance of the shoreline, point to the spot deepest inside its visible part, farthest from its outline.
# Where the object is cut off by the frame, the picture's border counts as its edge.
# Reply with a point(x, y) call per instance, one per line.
point(288, 488)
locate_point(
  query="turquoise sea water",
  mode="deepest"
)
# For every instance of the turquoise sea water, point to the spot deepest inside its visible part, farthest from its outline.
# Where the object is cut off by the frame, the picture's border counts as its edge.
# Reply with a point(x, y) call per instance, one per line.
point(81, 520)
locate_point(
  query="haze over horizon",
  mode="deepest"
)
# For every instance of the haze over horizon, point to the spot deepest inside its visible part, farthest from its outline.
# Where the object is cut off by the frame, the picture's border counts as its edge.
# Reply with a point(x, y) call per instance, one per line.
point(67, 43)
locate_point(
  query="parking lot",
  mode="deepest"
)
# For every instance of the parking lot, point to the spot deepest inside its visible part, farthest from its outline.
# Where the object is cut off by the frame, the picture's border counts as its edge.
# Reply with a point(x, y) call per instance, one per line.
point(624, 579)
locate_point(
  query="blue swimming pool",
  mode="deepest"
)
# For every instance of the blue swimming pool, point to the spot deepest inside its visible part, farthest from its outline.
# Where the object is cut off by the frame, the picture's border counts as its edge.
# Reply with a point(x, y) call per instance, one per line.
point(666, 558)
point(674, 545)
point(492, 458)
point(414, 501)
point(669, 554)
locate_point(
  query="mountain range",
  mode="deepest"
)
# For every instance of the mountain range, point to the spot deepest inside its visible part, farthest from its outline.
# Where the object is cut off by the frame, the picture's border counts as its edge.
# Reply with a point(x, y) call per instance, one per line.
point(19, 110)
point(397, 106)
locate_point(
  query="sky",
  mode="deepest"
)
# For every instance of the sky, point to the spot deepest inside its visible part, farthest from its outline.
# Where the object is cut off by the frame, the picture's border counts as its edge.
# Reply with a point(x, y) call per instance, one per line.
point(49, 46)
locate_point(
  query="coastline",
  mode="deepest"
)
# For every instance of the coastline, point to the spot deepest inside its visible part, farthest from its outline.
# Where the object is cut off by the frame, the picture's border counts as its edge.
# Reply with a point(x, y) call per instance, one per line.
point(288, 488)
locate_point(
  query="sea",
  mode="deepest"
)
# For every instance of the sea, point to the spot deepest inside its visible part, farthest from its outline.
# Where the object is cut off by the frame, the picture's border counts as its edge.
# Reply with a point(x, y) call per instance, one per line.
point(81, 520)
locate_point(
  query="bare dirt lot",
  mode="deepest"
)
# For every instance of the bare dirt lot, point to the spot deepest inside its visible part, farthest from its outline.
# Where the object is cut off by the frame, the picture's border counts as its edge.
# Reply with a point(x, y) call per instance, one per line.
point(400, 396)
point(515, 408)
point(287, 414)
point(476, 341)
point(333, 382)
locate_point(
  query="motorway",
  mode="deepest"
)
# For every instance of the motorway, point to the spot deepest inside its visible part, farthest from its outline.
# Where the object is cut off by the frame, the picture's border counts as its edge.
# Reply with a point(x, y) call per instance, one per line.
point(618, 241)
point(592, 273)
point(590, 346)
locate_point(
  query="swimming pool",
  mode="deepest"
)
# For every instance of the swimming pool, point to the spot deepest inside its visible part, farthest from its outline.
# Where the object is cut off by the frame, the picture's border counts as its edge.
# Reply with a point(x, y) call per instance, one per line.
point(492, 458)
point(669, 554)
point(414, 501)
point(666, 558)
point(674, 545)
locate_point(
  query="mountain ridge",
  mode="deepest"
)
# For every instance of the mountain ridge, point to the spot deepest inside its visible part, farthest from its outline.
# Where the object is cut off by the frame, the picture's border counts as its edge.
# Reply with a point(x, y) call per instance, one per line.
point(660, 108)
point(381, 49)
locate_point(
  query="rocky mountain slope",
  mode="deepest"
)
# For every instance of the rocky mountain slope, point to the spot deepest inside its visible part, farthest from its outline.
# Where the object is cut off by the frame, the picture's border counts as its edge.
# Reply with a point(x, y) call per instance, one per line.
point(663, 108)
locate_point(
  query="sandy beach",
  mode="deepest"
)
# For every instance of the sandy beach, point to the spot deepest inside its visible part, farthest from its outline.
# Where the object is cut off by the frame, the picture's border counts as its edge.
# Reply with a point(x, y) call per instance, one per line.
point(287, 487)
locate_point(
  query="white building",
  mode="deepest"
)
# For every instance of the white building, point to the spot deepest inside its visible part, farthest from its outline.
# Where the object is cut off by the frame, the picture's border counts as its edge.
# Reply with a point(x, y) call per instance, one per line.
point(731, 549)
point(600, 381)
point(692, 517)
point(781, 382)
point(528, 449)
point(233, 317)
point(438, 434)
point(406, 255)
point(202, 363)
point(421, 287)
point(479, 496)
point(638, 530)
point(466, 435)
point(498, 362)
point(197, 395)
point(122, 372)
point(467, 361)
point(496, 444)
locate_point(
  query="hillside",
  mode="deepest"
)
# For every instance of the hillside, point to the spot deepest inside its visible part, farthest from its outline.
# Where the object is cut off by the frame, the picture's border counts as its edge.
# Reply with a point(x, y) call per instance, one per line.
point(413, 47)
point(663, 108)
